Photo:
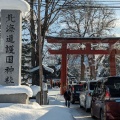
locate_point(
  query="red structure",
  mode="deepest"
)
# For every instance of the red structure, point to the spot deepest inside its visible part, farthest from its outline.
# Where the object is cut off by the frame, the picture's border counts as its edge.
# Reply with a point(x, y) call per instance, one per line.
point(88, 50)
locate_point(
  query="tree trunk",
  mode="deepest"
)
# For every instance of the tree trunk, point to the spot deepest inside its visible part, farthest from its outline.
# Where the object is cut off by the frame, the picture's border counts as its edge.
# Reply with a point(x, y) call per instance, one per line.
point(33, 37)
point(40, 54)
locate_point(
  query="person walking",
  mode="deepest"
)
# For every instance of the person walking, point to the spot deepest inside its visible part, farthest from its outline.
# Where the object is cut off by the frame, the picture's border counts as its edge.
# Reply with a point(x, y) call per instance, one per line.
point(67, 97)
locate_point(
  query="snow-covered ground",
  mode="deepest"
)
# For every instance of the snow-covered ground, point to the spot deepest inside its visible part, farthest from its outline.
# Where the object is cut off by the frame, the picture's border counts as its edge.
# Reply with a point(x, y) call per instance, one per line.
point(33, 111)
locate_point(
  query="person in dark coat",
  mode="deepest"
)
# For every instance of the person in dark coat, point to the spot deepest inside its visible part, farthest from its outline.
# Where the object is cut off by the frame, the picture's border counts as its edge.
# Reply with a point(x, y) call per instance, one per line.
point(67, 97)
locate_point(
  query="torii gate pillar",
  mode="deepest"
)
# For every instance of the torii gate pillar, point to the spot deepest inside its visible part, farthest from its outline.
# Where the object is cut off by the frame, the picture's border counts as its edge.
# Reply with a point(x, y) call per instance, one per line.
point(63, 68)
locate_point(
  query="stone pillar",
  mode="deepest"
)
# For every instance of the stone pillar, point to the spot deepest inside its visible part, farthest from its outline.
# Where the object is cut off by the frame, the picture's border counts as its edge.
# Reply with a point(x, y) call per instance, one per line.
point(10, 47)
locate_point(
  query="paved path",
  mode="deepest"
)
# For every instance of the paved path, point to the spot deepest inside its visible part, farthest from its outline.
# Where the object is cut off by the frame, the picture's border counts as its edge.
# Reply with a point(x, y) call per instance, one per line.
point(56, 99)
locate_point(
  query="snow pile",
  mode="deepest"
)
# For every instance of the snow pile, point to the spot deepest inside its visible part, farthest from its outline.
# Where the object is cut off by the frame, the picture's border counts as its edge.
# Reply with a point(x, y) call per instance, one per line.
point(15, 90)
point(35, 89)
point(10, 111)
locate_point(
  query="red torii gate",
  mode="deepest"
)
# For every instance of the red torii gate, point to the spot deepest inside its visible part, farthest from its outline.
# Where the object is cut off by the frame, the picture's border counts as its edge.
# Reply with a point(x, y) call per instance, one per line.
point(87, 41)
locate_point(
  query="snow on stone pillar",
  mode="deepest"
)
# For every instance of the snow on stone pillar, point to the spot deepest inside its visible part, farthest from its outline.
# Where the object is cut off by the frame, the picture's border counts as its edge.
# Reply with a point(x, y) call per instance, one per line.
point(10, 42)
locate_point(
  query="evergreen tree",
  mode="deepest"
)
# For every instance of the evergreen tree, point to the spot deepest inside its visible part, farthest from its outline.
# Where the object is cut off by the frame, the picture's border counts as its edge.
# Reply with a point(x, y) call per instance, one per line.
point(26, 52)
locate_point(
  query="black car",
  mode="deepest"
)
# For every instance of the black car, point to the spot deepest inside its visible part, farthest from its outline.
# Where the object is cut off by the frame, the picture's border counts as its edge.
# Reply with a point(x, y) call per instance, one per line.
point(75, 92)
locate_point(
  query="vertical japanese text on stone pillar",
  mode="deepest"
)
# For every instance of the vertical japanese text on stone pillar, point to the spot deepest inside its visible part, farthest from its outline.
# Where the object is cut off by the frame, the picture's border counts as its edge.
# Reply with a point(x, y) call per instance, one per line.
point(11, 56)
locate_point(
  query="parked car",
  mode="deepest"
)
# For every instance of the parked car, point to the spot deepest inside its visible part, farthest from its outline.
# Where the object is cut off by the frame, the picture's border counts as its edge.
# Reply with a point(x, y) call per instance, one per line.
point(75, 91)
point(85, 96)
point(105, 103)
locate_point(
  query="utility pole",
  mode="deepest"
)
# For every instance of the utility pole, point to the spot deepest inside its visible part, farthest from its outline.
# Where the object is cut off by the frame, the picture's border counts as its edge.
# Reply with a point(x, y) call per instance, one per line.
point(40, 53)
